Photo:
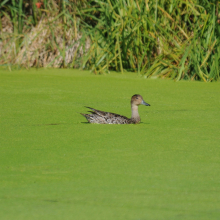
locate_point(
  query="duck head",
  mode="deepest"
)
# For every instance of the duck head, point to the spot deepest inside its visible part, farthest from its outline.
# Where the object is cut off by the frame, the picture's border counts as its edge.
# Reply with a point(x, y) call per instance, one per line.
point(138, 100)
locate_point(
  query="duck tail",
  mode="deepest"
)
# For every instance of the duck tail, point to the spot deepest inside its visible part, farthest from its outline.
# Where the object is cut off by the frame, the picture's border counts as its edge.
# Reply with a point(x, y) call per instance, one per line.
point(90, 108)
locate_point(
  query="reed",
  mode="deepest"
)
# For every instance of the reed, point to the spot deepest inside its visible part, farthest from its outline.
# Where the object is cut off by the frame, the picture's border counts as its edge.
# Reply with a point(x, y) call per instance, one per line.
point(49, 37)
point(172, 39)
point(163, 38)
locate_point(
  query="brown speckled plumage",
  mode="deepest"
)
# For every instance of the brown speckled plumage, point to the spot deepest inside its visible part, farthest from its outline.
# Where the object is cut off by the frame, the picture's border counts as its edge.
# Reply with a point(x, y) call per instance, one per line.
point(101, 117)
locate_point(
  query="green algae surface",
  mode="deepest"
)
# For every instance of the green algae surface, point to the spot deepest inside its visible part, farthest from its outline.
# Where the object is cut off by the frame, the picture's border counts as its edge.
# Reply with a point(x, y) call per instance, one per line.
point(54, 165)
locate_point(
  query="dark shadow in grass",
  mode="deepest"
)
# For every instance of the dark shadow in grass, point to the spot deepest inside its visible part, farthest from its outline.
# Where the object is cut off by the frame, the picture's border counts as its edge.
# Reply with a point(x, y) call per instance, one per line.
point(50, 200)
point(144, 123)
point(49, 124)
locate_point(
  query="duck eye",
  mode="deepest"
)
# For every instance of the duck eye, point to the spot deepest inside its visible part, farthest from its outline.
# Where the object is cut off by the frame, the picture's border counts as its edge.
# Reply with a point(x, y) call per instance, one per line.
point(136, 97)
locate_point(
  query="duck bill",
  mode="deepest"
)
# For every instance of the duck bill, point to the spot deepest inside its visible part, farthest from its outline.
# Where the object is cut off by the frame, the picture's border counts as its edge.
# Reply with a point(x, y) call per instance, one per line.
point(144, 103)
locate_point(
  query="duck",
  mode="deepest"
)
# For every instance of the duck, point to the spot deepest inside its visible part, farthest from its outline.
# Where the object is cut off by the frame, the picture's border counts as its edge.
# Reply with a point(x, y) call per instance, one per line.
point(101, 117)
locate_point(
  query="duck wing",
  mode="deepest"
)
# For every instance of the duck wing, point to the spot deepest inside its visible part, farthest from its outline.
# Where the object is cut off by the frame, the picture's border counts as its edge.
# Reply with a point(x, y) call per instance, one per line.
point(101, 117)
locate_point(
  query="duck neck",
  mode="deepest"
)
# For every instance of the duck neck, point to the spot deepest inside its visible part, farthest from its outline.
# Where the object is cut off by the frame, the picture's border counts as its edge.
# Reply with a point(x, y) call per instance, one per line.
point(134, 114)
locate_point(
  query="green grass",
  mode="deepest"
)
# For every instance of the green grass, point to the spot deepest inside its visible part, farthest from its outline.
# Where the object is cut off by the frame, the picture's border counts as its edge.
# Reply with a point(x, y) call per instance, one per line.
point(167, 167)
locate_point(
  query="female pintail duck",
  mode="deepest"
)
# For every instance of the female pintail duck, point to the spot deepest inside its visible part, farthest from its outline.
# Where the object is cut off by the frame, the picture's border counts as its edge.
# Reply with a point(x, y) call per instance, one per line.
point(100, 117)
